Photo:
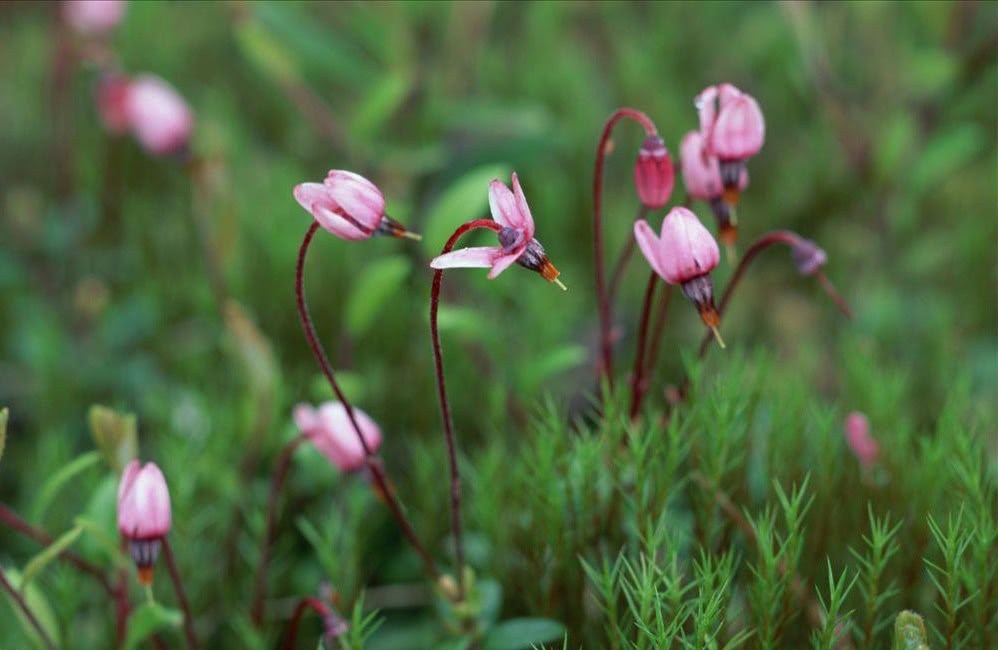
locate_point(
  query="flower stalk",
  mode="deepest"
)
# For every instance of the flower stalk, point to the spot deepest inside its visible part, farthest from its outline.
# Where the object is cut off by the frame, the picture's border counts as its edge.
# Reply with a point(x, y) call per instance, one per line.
point(178, 588)
point(22, 604)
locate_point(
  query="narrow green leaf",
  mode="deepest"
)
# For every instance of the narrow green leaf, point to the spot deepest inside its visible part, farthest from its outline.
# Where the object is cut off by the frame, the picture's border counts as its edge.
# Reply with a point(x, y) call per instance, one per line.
point(465, 199)
point(147, 619)
point(39, 605)
point(50, 552)
point(521, 633)
point(372, 291)
point(4, 416)
point(381, 102)
point(55, 483)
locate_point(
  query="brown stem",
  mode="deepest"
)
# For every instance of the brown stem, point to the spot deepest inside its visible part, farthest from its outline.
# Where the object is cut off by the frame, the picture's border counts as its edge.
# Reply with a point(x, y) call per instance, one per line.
point(602, 296)
point(648, 373)
point(258, 609)
point(637, 375)
point(445, 412)
point(28, 614)
point(178, 588)
point(377, 473)
point(304, 605)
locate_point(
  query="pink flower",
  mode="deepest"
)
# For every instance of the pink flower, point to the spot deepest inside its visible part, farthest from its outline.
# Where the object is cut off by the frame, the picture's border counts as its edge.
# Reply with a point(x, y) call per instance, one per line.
point(654, 175)
point(93, 17)
point(158, 116)
point(143, 514)
point(701, 171)
point(516, 238)
point(808, 256)
point(349, 206)
point(330, 430)
point(685, 253)
point(731, 123)
point(111, 95)
point(863, 445)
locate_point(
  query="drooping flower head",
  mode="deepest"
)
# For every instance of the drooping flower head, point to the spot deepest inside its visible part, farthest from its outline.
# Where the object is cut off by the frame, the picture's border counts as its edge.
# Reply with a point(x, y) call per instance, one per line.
point(157, 115)
point(349, 206)
point(864, 446)
point(144, 517)
point(93, 17)
point(733, 130)
point(330, 430)
point(808, 256)
point(654, 175)
point(516, 238)
point(702, 178)
point(684, 253)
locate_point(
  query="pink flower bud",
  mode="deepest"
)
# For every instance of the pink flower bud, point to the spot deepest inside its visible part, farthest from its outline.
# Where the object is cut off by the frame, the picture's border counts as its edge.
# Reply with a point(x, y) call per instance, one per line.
point(158, 116)
point(731, 123)
point(654, 175)
point(93, 17)
point(143, 514)
point(346, 204)
point(111, 95)
point(863, 445)
point(808, 256)
point(685, 253)
point(330, 430)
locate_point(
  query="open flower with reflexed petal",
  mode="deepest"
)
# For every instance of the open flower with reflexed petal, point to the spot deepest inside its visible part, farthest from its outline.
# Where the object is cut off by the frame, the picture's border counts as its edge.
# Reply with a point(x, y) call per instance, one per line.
point(349, 206)
point(516, 238)
point(732, 128)
point(684, 253)
point(144, 517)
point(330, 430)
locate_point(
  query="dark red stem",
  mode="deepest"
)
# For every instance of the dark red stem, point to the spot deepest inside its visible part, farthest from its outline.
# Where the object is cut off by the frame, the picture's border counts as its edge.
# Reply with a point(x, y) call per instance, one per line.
point(28, 614)
point(656, 332)
point(637, 375)
point(377, 473)
point(304, 605)
point(178, 588)
point(606, 345)
point(258, 610)
point(786, 238)
point(625, 256)
point(438, 361)
point(10, 518)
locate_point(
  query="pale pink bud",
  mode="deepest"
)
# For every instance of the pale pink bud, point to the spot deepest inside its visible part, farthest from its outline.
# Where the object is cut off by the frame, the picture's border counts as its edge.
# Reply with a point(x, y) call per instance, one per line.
point(93, 17)
point(654, 175)
point(143, 514)
point(346, 204)
point(808, 256)
point(731, 123)
point(111, 103)
point(329, 428)
point(158, 116)
point(863, 445)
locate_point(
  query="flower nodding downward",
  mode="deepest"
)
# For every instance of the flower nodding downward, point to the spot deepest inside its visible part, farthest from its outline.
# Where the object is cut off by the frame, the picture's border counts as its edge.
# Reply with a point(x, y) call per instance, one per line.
point(654, 175)
point(144, 517)
point(733, 130)
point(685, 253)
point(516, 239)
point(349, 206)
point(330, 430)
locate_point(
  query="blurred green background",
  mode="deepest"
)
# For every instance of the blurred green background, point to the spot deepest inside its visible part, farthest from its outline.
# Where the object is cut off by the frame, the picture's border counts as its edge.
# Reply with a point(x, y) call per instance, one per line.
point(128, 281)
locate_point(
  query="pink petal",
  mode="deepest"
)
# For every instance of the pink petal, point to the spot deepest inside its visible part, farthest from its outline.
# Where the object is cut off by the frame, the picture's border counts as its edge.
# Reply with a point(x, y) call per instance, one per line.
point(358, 197)
point(93, 17)
point(306, 419)
point(339, 442)
point(739, 131)
point(504, 206)
point(701, 172)
point(476, 257)
point(144, 504)
point(727, 93)
point(316, 200)
point(707, 110)
point(523, 208)
point(648, 243)
point(687, 249)
point(503, 263)
point(158, 115)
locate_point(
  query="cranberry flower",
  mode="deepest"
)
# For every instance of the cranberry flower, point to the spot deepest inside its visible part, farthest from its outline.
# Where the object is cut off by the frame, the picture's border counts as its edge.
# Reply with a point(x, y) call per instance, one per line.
point(516, 239)
point(143, 514)
point(732, 128)
point(330, 430)
point(349, 206)
point(654, 175)
point(702, 177)
point(158, 116)
point(684, 254)
point(863, 445)
point(93, 17)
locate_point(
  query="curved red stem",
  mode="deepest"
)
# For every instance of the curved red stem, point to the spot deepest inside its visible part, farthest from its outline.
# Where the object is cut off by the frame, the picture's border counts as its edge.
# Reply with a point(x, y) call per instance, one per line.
point(637, 375)
point(648, 370)
point(377, 473)
point(445, 412)
point(606, 345)
point(303, 605)
point(258, 609)
point(26, 610)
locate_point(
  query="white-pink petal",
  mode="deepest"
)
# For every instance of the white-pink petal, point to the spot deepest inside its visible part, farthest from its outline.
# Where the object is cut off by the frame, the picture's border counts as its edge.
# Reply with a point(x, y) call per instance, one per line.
point(475, 257)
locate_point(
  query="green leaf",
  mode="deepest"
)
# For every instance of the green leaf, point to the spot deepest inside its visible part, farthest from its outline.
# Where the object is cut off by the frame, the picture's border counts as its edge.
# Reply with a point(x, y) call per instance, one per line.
point(115, 435)
point(467, 198)
point(381, 102)
point(371, 292)
point(4, 416)
point(521, 633)
point(50, 552)
point(39, 606)
point(59, 479)
point(148, 619)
